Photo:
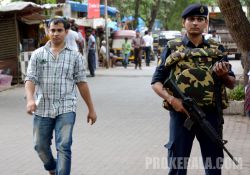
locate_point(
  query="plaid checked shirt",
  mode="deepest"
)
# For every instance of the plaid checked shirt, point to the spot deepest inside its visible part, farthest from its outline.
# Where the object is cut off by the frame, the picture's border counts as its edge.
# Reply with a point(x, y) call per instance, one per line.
point(55, 79)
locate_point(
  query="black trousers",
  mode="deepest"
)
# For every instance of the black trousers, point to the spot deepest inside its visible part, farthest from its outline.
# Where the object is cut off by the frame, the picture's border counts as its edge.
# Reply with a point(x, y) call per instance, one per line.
point(147, 52)
point(91, 62)
point(137, 54)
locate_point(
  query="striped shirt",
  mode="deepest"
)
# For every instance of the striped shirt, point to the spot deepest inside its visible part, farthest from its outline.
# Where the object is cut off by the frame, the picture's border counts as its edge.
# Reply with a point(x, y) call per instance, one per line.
point(55, 79)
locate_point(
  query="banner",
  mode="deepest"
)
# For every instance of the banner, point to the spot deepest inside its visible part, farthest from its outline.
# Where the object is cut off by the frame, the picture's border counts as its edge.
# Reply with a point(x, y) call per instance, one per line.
point(93, 8)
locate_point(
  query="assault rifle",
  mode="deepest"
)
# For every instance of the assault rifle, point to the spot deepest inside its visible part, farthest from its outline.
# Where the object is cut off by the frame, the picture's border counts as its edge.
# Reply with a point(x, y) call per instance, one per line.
point(197, 116)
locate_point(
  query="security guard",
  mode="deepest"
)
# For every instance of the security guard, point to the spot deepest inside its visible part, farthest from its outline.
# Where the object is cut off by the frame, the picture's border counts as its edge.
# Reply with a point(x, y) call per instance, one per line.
point(180, 59)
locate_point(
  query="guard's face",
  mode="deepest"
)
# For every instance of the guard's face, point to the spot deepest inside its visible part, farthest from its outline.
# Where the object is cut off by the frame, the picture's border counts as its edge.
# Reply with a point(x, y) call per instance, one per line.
point(57, 33)
point(195, 25)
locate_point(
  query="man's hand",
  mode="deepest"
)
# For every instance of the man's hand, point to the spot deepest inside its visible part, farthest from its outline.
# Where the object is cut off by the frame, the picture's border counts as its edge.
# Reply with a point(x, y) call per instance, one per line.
point(221, 68)
point(91, 118)
point(31, 106)
point(177, 104)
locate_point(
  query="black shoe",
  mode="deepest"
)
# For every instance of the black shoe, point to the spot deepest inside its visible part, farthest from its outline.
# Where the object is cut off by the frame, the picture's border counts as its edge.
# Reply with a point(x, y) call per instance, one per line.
point(90, 75)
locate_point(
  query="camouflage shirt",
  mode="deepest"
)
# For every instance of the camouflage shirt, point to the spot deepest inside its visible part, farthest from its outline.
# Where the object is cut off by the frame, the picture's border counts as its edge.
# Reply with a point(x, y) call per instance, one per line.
point(161, 73)
point(191, 67)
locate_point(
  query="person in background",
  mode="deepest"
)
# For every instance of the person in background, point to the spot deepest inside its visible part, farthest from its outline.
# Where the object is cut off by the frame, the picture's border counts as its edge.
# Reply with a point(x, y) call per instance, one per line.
point(148, 46)
point(187, 69)
point(137, 44)
point(43, 34)
point(126, 48)
point(102, 54)
point(54, 72)
point(72, 38)
point(112, 58)
point(80, 41)
point(91, 49)
point(215, 36)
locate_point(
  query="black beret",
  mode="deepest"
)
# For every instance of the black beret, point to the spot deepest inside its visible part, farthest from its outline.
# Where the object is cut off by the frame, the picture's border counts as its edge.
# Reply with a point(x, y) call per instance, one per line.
point(195, 10)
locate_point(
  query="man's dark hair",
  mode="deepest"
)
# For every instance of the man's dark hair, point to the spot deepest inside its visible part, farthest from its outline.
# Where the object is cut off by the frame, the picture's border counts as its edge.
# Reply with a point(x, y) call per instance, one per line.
point(89, 30)
point(146, 32)
point(57, 21)
point(75, 28)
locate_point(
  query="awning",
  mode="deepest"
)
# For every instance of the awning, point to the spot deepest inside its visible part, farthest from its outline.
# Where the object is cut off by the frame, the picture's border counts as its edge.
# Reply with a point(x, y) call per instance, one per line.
point(34, 18)
point(111, 10)
point(52, 6)
point(20, 6)
point(78, 7)
point(28, 12)
point(83, 7)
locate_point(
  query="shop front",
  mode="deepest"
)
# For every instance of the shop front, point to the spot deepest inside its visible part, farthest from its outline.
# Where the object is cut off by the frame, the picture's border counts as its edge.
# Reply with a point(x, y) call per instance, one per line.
point(18, 33)
point(21, 32)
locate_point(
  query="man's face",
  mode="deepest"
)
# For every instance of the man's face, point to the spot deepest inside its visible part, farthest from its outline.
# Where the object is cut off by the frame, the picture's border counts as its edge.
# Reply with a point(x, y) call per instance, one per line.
point(57, 33)
point(195, 25)
point(137, 34)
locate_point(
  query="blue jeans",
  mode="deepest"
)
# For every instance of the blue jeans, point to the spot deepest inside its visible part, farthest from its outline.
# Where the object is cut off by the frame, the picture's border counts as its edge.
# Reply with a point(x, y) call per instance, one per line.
point(43, 133)
point(125, 59)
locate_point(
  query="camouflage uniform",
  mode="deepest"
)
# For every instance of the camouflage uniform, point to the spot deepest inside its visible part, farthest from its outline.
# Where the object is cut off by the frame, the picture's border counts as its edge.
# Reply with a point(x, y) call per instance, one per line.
point(180, 139)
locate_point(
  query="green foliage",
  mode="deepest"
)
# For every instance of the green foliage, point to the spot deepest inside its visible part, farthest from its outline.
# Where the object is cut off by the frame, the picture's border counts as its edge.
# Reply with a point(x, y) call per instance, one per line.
point(169, 12)
point(238, 93)
point(245, 2)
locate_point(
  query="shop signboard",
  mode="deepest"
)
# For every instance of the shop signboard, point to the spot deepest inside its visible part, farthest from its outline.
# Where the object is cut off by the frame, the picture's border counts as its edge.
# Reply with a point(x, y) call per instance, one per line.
point(93, 8)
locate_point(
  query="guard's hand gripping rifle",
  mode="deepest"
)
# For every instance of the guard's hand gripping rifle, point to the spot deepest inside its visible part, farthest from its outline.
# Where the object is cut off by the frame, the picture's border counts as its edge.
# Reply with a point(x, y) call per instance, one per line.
point(197, 116)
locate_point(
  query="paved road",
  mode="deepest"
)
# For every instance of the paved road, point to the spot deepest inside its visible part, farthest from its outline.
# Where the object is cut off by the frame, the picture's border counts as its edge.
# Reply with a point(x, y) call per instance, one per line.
point(127, 139)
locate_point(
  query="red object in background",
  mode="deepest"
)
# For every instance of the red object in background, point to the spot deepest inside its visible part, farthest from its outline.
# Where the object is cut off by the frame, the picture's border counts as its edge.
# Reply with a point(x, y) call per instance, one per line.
point(82, 30)
point(93, 8)
point(212, 14)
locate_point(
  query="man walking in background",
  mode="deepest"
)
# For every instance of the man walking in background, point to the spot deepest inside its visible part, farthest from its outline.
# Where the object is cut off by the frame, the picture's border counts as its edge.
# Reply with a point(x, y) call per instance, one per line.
point(91, 53)
point(148, 46)
point(137, 44)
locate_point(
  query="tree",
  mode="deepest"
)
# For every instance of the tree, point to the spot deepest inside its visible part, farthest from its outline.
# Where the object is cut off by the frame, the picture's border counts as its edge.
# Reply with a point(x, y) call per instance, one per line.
point(238, 26)
point(153, 14)
point(168, 11)
point(137, 8)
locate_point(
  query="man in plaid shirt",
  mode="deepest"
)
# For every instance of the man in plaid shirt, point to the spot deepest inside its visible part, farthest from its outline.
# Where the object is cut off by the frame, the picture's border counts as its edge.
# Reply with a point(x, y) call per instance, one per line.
point(53, 73)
